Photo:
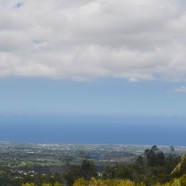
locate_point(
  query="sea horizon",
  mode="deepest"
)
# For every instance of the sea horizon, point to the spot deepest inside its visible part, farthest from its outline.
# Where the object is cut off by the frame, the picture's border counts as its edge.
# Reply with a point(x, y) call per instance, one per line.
point(168, 131)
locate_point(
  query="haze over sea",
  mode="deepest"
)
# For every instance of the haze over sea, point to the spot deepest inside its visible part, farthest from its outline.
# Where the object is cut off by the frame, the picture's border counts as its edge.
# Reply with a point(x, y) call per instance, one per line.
point(94, 130)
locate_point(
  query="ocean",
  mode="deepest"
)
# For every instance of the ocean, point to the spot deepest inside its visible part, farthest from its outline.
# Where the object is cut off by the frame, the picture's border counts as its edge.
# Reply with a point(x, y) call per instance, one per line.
point(94, 130)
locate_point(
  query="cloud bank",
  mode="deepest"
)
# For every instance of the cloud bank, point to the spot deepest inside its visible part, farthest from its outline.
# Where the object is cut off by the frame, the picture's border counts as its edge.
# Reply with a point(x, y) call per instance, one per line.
point(88, 39)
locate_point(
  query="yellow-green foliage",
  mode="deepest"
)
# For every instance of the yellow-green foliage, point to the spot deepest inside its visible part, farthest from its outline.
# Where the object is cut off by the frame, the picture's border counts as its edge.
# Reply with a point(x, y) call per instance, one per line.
point(80, 182)
point(175, 182)
point(183, 180)
point(57, 184)
point(94, 181)
point(113, 182)
point(44, 184)
point(181, 167)
point(100, 182)
point(108, 182)
point(140, 184)
point(28, 184)
point(126, 183)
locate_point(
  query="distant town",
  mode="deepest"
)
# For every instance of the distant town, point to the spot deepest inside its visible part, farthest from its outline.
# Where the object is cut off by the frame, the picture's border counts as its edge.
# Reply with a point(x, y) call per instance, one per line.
point(24, 163)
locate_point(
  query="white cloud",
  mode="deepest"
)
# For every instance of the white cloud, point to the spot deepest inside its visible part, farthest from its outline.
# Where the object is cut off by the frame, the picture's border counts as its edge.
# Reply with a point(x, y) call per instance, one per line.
point(179, 90)
point(87, 39)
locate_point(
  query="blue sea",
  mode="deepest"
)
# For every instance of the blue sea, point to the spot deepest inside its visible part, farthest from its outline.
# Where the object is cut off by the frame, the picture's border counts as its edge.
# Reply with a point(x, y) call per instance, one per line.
point(94, 130)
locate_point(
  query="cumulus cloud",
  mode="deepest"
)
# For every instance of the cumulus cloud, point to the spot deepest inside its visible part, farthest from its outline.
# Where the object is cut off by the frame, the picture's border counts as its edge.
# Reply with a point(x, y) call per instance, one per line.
point(87, 39)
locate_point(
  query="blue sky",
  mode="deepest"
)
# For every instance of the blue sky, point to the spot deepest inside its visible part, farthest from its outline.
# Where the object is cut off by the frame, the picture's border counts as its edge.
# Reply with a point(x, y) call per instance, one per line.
point(98, 59)
point(106, 96)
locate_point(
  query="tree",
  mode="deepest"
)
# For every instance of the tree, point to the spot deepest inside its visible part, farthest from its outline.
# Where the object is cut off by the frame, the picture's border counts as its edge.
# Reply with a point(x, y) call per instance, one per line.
point(154, 157)
point(88, 169)
point(68, 160)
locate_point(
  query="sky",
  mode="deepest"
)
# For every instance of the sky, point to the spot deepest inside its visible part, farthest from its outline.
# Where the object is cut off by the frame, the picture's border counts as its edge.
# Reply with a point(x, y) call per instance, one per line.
point(93, 58)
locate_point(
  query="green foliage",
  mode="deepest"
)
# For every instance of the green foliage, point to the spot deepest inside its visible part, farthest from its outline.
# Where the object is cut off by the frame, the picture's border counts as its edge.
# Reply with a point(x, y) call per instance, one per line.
point(153, 168)
point(101, 182)
point(44, 184)
point(183, 180)
point(120, 171)
point(28, 184)
point(126, 183)
point(88, 169)
point(57, 184)
point(180, 168)
point(154, 156)
point(107, 182)
point(80, 182)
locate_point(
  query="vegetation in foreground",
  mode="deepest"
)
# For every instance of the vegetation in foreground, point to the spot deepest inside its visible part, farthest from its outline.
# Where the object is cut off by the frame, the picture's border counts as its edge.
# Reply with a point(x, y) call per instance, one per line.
point(152, 168)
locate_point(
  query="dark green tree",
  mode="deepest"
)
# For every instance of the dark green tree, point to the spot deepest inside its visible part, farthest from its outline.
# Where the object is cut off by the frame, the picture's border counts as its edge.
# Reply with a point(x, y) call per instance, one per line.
point(88, 169)
point(154, 157)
